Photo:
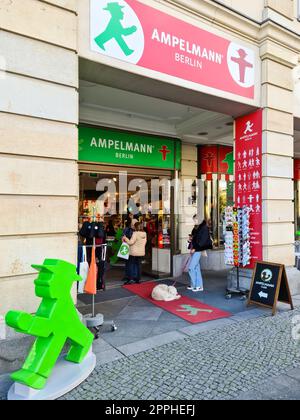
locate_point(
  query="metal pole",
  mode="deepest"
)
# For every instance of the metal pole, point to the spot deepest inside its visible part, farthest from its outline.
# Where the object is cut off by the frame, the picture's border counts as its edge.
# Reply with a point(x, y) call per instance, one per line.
point(94, 244)
point(93, 299)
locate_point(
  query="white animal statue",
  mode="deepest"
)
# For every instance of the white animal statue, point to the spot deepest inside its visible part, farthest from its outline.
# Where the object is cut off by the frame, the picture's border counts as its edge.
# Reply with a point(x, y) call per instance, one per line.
point(165, 293)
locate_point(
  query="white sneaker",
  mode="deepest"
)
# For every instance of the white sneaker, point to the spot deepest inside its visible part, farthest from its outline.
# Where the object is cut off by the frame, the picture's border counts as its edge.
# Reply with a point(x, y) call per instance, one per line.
point(198, 289)
point(189, 288)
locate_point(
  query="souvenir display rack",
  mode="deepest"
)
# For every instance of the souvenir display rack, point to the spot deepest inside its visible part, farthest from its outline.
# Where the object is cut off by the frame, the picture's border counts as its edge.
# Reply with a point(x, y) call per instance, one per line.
point(237, 242)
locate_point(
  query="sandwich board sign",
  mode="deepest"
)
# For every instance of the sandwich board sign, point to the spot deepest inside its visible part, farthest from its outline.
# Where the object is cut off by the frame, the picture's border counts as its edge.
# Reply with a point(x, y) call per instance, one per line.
point(270, 286)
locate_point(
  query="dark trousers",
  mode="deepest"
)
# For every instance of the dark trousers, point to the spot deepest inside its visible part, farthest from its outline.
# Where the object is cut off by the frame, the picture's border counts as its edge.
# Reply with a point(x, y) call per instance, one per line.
point(127, 270)
point(135, 268)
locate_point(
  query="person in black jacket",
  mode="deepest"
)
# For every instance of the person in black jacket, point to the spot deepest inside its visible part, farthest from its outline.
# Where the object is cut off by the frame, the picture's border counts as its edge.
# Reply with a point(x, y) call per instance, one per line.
point(128, 232)
point(200, 241)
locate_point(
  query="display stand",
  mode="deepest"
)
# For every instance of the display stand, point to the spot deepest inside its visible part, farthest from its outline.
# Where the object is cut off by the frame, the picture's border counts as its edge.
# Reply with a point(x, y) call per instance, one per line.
point(243, 294)
point(237, 245)
point(95, 322)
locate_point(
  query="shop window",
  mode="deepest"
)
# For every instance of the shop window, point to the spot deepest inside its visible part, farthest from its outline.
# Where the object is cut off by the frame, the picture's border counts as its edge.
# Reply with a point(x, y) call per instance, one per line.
point(216, 172)
point(217, 196)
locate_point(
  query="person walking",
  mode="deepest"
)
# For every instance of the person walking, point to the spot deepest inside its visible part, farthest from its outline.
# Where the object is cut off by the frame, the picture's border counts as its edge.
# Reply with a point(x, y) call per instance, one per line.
point(200, 241)
point(137, 251)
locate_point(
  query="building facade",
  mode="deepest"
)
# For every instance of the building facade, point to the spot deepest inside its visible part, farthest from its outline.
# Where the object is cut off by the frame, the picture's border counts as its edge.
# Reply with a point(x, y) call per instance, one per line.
point(53, 80)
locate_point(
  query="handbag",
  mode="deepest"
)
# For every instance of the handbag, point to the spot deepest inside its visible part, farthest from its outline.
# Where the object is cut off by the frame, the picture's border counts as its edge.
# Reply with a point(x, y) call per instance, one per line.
point(83, 271)
point(124, 251)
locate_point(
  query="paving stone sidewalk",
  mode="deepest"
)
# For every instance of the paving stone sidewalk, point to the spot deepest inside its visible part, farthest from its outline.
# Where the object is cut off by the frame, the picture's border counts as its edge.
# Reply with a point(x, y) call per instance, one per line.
point(254, 359)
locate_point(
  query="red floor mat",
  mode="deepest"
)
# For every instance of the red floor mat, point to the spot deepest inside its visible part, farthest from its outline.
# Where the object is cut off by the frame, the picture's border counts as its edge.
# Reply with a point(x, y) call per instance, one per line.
point(190, 310)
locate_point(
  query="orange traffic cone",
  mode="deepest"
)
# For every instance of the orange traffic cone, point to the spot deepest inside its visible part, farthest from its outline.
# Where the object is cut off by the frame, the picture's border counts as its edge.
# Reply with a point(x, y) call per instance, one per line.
point(91, 281)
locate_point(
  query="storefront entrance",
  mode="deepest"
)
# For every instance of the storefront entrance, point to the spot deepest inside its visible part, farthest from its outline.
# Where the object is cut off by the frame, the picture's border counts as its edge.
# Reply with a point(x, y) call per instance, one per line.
point(120, 196)
point(97, 204)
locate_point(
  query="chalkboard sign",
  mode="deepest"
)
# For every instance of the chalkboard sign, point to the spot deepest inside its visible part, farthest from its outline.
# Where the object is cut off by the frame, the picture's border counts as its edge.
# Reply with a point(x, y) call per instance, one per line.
point(269, 286)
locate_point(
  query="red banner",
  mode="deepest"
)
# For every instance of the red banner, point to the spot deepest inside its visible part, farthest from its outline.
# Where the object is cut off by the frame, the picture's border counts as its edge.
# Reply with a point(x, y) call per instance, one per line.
point(248, 176)
point(297, 170)
point(208, 159)
point(215, 160)
point(139, 34)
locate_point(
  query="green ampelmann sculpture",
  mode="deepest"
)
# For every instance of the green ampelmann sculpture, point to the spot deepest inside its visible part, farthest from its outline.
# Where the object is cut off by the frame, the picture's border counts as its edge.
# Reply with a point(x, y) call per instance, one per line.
point(55, 323)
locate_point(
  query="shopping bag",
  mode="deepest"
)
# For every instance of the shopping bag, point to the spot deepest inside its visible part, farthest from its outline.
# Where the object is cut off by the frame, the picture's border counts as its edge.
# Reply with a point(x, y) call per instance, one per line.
point(186, 264)
point(124, 251)
point(91, 281)
point(83, 271)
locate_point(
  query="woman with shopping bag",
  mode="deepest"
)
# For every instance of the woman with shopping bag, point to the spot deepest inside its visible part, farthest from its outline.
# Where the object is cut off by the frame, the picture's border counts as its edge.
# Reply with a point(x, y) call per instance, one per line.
point(137, 250)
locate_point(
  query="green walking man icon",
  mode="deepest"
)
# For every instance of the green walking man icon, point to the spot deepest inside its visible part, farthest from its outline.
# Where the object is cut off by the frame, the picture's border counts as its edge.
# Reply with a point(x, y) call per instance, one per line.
point(55, 323)
point(115, 30)
point(230, 162)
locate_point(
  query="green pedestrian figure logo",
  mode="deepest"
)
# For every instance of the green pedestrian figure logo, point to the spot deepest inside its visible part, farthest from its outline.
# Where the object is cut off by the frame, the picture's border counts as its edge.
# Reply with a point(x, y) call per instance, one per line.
point(124, 250)
point(230, 162)
point(115, 29)
point(55, 323)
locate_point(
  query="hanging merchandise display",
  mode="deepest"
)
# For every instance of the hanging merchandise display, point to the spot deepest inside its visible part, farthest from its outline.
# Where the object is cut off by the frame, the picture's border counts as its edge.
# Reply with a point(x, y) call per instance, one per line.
point(236, 255)
point(237, 237)
point(83, 271)
point(229, 236)
point(244, 236)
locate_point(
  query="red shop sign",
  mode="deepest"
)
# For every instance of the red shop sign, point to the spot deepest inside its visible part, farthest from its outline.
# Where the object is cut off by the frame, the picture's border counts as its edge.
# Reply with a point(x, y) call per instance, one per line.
point(208, 159)
point(248, 176)
point(139, 34)
point(297, 170)
point(215, 160)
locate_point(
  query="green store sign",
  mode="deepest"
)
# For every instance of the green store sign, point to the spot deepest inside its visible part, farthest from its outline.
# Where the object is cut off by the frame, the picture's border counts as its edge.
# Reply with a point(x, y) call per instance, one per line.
point(99, 145)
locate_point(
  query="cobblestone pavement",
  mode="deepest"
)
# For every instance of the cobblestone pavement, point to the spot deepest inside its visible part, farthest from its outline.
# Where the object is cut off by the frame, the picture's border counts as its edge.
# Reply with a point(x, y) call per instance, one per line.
point(219, 364)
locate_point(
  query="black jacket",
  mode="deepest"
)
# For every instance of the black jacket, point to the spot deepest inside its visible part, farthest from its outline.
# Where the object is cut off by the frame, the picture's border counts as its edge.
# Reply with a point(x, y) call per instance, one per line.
point(201, 238)
point(93, 230)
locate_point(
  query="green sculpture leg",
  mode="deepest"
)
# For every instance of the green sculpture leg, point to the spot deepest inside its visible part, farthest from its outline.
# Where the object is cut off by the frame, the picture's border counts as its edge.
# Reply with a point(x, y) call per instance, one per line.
point(80, 345)
point(40, 362)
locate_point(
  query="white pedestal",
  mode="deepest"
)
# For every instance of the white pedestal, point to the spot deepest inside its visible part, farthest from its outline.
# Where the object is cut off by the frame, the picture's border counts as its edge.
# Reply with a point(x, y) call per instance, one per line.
point(65, 377)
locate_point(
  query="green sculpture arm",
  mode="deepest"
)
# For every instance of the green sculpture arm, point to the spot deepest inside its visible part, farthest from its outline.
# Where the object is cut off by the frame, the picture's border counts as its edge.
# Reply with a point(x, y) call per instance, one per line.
point(28, 324)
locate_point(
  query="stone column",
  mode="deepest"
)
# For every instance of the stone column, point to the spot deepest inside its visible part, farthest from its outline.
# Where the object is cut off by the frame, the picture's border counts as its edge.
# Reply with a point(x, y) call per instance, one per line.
point(38, 146)
point(189, 173)
point(278, 152)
